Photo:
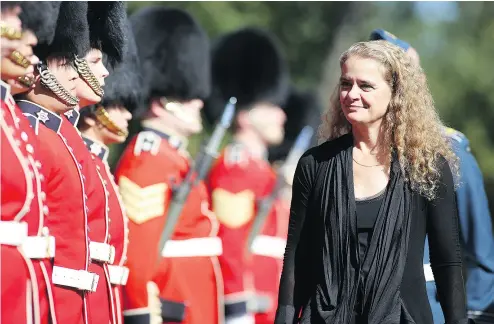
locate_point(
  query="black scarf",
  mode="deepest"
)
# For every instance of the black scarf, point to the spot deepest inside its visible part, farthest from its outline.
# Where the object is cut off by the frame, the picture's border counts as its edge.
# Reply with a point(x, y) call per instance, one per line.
point(341, 288)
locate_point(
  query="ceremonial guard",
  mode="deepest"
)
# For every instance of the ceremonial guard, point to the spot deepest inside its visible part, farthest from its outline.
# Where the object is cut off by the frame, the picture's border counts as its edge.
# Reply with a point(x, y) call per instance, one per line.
point(303, 108)
point(53, 95)
point(105, 35)
point(25, 244)
point(184, 285)
point(248, 64)
point(104, 124)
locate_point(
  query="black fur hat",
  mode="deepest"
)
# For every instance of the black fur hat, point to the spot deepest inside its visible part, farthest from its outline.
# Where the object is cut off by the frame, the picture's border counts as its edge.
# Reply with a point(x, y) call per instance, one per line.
point(302, 108)
point(41, 18)
point(71, 34)
point(249, 65)
point(6, 5)
point(175, 54)
point(123, 85)
point(107, 21)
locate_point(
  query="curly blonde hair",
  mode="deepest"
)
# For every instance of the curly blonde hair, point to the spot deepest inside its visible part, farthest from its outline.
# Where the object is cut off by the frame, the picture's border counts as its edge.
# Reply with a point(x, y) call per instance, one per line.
point(415, 130)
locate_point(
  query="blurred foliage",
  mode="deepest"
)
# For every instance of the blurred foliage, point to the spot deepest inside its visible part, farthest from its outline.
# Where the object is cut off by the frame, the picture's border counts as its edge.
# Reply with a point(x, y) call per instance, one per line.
point(456, 51)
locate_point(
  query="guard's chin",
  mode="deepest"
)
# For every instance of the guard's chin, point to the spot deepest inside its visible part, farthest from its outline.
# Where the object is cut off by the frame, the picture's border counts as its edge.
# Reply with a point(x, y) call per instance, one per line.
point(274, 137)
point(196, 129)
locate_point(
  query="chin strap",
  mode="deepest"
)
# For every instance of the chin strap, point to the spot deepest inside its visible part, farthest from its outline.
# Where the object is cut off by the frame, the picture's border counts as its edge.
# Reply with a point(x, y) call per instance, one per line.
point(26, 81)
point(10, 32)
point(88, 76)
point(104, 118)
point(16, 56)
point(49, 81)
point(19, 59)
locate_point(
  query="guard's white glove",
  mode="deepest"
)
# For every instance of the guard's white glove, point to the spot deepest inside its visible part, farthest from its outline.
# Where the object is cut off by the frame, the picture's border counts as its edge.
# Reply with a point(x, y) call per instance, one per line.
point(154, 303)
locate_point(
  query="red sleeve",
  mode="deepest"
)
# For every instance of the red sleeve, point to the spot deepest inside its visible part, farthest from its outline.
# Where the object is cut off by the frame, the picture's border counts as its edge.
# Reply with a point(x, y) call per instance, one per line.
point(144, 186)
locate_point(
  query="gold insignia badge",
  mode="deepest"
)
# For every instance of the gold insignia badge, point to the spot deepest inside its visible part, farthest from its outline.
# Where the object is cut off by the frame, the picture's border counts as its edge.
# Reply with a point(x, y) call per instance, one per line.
point(143, 204)
point(233, 210)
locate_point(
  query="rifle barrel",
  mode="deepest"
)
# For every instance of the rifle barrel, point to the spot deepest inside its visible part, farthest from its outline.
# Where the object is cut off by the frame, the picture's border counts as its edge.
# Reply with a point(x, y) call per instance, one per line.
point(197, 172)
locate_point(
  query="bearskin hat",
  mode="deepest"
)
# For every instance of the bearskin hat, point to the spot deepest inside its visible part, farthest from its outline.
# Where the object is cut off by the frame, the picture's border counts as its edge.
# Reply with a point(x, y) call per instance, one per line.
point(41, 18)
point(71, 33)
point(247, 64)
point(123, 85)
point(175, 53)
point(6, 5)
point(302, 108)
point(107, 21)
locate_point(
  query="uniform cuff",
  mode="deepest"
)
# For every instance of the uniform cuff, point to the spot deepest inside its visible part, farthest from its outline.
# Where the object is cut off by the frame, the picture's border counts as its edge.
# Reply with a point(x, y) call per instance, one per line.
point(143, 318)
point(171, 311)
point(235, 309)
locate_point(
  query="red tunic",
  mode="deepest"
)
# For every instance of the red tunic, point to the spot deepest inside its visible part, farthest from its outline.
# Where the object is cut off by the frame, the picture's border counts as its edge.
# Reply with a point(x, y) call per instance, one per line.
point(24, 280)
point(100, 303)
point(189, 273)
point(118, 226)
point(67, 220)
point(237, 181)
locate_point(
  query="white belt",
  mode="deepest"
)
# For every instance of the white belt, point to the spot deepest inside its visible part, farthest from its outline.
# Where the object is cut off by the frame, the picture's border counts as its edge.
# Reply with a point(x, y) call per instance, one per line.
point(118, 275)
point(102, 252)
point(429, 275)
point(34, 247)
point(242, 319)
point(13, 233)
point(39, 247)
point(79, 279)
point(269, 246)
point(195, 247)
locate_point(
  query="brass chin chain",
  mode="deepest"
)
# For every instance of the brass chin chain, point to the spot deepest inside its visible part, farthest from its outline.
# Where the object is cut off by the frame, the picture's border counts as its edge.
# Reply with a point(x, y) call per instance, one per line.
point(49, 81)
point(27, 81)
point(104, 118)
point(10, 32)
point(88, 76)
point(19, 59)
point(14, 34)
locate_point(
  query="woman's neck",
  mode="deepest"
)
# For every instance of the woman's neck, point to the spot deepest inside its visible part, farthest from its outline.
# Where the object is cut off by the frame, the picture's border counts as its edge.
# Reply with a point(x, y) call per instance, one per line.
point(367, 139)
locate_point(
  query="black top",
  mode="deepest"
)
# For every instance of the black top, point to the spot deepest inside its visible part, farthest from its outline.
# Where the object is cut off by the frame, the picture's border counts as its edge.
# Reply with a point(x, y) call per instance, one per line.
point(367, 210)
point(300, 286)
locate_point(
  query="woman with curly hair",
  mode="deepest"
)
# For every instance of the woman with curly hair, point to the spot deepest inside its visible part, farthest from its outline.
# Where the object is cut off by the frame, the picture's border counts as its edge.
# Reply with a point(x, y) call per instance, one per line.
point(365, 198)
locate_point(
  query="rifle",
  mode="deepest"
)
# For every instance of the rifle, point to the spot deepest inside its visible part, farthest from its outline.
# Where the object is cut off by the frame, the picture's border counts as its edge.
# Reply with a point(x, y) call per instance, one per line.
point(197, 172)
point(301, 144)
